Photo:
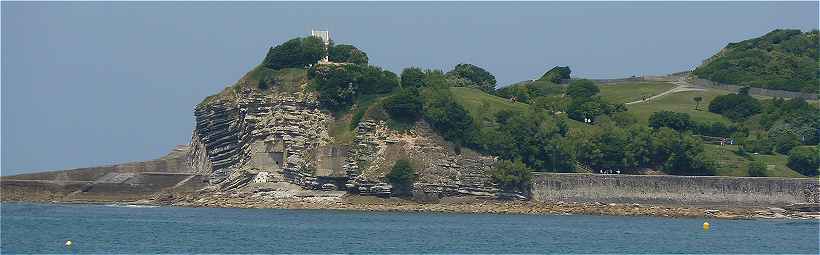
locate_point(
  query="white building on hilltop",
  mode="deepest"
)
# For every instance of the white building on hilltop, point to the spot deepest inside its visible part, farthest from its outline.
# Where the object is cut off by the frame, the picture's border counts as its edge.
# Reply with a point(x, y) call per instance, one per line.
point(325, 36)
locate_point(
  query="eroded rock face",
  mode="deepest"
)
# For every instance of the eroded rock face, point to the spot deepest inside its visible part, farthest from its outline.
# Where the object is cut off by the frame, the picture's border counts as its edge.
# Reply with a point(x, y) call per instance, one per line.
point(285, 138)
point(439, 170)
point(279, 135)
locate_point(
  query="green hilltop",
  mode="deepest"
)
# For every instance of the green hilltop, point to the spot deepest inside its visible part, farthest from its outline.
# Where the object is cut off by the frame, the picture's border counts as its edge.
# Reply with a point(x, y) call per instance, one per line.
point(784, 59)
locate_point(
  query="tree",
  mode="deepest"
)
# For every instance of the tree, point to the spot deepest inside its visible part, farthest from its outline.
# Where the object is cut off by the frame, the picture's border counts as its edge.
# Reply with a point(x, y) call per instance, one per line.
point(697, 101)
point(412, 77)
point(673, 120)
point(735, 106)
point(805, 160)
point(340, 85)
point(344, 53)
point(638, 151)
point(446, 116)
point(313, 49)
point(757, 169)
point(784, 143)
point(556, 74)
point(402, 176)
point(688, 158)
point(512, 176)
point(405, 106)
point(295, 53)
point(581, 89)
point(474, 76)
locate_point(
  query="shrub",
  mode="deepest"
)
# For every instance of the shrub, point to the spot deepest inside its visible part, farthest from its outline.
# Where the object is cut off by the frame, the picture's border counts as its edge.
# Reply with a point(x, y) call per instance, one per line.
point(512, 176)
point(757, 169)
point(402, 176)
point(805, 160)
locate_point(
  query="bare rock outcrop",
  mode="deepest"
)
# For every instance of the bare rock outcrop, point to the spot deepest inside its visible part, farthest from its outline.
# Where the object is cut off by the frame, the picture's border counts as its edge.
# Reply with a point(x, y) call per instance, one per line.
point(275, 134)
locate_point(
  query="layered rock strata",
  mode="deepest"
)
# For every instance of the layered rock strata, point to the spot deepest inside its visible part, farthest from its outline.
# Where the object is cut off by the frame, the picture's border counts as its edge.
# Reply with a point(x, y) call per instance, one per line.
point(278, 135)
point(439, 170)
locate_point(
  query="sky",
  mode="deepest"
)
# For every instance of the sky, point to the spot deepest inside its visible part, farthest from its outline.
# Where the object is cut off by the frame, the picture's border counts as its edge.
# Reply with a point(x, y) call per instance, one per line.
point(96, 83)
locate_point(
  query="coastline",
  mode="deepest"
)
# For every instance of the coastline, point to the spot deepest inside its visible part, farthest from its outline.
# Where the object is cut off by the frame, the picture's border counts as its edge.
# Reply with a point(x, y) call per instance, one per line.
point(464, 205)
point(479, 205)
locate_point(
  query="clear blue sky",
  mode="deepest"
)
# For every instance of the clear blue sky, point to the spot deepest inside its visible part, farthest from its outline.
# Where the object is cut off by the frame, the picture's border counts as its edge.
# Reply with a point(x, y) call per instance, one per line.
point(94, 83)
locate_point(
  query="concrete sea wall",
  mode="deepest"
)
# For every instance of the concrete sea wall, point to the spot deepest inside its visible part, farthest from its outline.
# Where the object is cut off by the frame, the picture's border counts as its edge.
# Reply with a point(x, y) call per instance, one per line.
point(678, 190)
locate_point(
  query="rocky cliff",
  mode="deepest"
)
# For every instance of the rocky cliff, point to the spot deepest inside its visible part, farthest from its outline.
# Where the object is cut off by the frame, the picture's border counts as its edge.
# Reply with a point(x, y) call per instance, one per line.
point(276, 134)
point(246, 135)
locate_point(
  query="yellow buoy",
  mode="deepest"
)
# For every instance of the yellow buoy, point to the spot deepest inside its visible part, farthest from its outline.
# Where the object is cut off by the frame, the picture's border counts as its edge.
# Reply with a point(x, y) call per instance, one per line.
point(68, 243)
point(706, 225)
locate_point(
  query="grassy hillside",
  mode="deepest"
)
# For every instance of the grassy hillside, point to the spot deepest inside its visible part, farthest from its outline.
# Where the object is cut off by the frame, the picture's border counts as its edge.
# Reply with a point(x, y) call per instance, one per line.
point(679, 102)
point(630, 92)
point(732, 164)
point(481, 105)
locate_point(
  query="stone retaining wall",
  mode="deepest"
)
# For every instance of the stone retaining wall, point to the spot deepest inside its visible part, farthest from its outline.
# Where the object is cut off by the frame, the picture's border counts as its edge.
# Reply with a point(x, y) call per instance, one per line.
point(679, 190)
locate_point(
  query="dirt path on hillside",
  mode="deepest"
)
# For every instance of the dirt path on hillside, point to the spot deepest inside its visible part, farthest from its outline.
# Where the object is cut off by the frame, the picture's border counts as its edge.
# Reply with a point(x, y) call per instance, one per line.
point(682, 86)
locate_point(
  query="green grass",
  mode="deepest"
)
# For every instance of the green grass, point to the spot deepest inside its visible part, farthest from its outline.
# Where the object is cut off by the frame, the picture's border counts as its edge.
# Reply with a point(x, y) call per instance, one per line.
point(481, 105)
point(680, 102)
point(283, 80)
point(732, 164)
point(630, 92)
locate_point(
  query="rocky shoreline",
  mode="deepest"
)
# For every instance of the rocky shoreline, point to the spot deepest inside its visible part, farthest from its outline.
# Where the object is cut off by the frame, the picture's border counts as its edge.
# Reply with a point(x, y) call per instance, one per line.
point(473, 205)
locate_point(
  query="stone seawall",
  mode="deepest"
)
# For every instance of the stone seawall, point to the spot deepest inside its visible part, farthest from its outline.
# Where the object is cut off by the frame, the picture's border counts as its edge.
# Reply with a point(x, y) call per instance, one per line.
point(678, 190)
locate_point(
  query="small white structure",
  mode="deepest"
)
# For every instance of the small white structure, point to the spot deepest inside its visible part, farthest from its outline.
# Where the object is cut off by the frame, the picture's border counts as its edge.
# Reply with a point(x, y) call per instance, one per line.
point(325, 36)
point(262, 177)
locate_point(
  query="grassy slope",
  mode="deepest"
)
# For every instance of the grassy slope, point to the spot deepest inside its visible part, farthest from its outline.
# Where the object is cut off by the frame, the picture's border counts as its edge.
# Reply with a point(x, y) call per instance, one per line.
point(286, 80)
point(731, 164)
point(481, 105)
point(629, 92)
point(680, 102)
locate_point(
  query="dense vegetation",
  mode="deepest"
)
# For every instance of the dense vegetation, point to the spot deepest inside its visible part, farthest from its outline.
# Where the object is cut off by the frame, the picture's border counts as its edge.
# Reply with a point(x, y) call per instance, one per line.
point(297, 52)
point(556, 74)
point(805, 160)
point(781, 59)
point(340, 85)
point(467, 75)
point(345, 53)
point(735, 106)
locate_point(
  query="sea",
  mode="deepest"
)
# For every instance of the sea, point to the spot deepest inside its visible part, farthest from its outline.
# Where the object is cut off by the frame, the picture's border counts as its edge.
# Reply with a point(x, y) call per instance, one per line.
point(45, 228)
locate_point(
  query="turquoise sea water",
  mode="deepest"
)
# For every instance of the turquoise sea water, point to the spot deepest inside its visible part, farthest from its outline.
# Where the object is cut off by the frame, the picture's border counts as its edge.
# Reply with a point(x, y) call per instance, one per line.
point(44, 228)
